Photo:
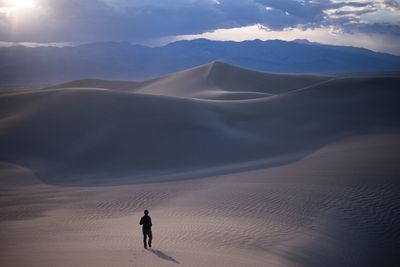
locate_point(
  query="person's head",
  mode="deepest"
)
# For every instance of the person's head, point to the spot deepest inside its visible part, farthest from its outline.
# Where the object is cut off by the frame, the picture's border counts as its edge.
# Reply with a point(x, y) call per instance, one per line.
point(146, 212)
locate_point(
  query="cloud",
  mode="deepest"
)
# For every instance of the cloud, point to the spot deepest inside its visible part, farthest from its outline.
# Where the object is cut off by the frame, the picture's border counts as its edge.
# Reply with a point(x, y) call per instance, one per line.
point(143, 21)
point(324, 35)
point(73, 20)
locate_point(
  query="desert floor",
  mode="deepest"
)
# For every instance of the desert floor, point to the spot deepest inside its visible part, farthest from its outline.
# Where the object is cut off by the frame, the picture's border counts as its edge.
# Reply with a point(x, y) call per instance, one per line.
point(338, 206)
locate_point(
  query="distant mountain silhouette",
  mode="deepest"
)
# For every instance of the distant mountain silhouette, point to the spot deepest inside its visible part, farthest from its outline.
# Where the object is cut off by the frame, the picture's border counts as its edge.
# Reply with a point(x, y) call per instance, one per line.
point(121, 60)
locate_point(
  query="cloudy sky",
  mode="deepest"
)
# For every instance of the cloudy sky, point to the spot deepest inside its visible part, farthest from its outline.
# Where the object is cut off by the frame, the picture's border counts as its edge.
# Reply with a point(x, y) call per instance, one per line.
point(364, 23)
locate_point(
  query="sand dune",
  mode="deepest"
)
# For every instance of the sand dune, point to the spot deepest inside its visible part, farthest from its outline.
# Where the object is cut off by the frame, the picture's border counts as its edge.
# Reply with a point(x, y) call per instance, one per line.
point(295, 171)
point(216, 80)
point(219, 80)
point(117, 136)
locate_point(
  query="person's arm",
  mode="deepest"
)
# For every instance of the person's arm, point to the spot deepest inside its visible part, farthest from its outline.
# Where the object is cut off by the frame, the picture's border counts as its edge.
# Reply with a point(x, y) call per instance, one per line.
point(141, 221)
point(150, 222)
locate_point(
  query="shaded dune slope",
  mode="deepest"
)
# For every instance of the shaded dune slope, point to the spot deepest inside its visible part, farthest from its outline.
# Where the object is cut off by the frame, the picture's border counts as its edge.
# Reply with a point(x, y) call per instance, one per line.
point(88, 135)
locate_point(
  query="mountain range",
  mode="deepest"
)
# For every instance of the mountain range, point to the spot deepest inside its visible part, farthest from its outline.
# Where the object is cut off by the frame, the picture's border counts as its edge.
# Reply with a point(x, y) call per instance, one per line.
point(21, 65)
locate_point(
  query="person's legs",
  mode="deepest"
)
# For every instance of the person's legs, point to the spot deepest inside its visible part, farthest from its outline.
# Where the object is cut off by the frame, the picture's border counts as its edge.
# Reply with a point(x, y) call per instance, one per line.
point(150, 234)
point(145, 239)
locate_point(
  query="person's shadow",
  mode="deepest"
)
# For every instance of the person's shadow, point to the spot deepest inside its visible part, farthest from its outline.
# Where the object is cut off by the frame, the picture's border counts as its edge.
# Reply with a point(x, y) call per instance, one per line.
point(163, 256)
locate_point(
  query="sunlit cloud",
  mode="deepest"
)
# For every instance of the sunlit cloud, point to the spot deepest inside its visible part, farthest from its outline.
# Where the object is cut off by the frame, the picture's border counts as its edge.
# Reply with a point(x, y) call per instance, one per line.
point(33, 44)
point(323, 35)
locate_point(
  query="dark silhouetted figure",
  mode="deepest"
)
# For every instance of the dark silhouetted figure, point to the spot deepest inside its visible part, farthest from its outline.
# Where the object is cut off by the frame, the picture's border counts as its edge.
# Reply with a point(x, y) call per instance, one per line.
point(146, 222)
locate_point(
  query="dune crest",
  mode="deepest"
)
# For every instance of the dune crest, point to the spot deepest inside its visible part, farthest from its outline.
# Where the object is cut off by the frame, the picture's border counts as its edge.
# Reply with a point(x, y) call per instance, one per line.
point(221, 81)
point(216, 80)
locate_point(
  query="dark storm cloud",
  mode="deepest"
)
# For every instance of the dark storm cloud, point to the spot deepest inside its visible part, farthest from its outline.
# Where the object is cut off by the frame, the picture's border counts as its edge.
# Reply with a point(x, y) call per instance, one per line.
point(99, 20)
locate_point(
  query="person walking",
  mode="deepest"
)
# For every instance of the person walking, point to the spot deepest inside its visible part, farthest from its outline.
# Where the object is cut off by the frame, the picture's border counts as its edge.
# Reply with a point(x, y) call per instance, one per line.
point(145, 221)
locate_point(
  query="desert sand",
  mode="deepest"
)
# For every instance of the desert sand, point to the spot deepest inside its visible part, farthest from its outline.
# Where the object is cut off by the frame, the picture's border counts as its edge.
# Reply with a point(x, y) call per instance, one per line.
point(237, 168)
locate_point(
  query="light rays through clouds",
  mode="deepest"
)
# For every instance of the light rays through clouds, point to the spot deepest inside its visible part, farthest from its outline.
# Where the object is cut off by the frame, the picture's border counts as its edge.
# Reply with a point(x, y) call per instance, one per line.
point(8, 7)
point(365, 23)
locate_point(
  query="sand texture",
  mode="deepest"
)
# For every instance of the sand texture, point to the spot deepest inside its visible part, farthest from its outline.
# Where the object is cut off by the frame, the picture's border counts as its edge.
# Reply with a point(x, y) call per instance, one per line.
point(237, 168)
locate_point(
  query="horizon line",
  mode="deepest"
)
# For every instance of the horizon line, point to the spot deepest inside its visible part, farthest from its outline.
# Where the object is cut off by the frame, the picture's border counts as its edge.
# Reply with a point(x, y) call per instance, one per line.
point(7, 44)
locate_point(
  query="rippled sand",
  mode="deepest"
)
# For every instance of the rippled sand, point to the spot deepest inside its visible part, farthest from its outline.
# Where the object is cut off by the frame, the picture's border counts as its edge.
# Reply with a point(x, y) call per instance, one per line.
point(338, 206)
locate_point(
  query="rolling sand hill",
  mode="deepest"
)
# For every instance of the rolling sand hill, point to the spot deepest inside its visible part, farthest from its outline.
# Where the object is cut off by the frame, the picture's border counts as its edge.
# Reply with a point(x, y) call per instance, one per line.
point(295, 171)
point(226, 82)
point(100, 133)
